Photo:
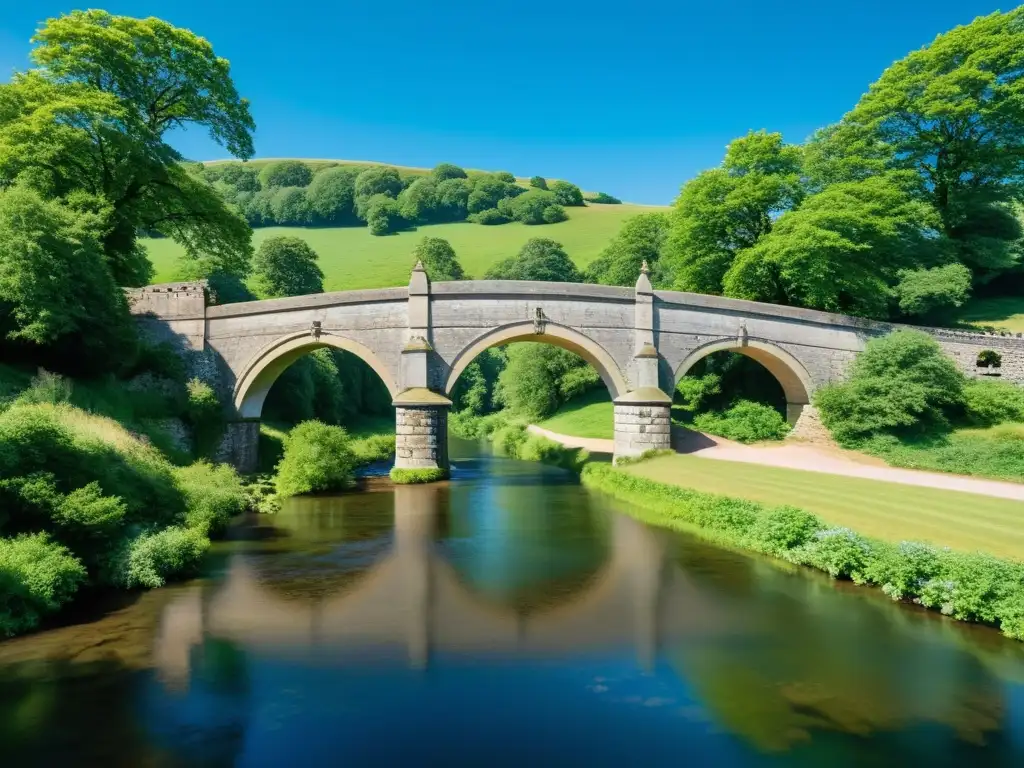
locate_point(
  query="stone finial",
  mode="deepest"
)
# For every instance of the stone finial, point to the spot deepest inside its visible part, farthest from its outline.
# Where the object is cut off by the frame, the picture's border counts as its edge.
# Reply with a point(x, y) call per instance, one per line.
point(419, 282)
point(643, 283)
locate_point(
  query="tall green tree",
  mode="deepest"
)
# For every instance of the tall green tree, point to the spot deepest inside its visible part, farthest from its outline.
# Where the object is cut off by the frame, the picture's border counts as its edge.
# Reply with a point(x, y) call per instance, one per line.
point(439, 259)
point(842, 251)
point(953, 114)
point(58, 299)
point(640, 239)
point(538, 259)
point(725, 210)
point(287, 266)
point(93, 117)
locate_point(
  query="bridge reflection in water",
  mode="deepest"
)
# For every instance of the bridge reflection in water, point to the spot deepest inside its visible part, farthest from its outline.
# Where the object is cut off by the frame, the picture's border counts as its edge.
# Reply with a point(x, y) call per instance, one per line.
point(414, 597)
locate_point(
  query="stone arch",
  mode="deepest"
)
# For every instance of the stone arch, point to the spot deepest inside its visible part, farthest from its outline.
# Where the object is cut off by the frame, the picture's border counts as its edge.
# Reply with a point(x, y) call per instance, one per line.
point(260, 373)
point(554, 334)
point(788, 371)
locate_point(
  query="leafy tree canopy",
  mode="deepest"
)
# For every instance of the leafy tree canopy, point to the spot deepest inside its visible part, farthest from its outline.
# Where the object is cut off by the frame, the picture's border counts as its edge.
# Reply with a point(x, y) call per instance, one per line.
point(953, 114)
point(445, 171)
point(331, 195)
point(567, 193)
point(539, 259)
point(727, 209)
point(92, 118)
point(842, 251)
point(640, 239)
point(439, 259)
point(285, 173)
point(286, 266)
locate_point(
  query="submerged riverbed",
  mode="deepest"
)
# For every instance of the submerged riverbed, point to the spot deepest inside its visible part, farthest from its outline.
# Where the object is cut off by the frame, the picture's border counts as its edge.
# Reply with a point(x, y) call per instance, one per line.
point(509, 617)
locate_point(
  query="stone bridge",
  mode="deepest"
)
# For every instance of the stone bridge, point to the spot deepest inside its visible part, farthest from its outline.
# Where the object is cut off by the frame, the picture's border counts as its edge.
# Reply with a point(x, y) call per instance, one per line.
point(419, 340)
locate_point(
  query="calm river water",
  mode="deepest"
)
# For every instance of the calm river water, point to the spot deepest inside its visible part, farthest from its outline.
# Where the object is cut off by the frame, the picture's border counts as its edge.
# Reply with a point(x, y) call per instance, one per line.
point(509, 617)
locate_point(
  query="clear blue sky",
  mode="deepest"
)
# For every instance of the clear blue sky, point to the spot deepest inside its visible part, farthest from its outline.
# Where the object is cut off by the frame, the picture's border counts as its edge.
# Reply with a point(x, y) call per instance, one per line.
point(632, 98)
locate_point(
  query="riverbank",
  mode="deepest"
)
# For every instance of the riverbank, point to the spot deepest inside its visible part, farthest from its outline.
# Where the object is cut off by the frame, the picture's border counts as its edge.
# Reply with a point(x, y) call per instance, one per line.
point(975, 587)
point(807, 458)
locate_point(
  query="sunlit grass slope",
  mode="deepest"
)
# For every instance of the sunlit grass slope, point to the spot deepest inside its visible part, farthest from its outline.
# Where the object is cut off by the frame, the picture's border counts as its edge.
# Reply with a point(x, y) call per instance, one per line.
point(882, 510)
point(590, 415)
point(1004, 313)
point(352, 258)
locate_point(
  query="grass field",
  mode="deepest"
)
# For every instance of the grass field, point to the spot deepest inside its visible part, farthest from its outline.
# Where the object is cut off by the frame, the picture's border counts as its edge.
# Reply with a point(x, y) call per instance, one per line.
point(882, 510)
point(1005, 313)
point(590, 415)
point(352, 258)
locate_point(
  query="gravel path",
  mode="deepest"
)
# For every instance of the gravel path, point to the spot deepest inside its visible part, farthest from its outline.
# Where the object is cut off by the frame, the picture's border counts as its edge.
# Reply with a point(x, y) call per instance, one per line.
point(812, 458)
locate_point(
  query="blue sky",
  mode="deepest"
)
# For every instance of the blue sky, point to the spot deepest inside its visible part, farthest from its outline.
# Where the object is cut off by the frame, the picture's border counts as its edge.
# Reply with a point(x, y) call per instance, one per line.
point(632, 98)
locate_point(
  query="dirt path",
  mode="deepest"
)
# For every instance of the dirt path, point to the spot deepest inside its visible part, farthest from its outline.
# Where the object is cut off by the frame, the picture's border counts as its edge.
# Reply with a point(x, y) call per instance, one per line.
point(812, 458)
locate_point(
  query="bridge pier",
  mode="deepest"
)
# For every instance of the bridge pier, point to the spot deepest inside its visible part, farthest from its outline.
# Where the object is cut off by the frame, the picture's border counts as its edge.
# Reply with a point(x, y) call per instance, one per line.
point(421, 430)
point(642, 422)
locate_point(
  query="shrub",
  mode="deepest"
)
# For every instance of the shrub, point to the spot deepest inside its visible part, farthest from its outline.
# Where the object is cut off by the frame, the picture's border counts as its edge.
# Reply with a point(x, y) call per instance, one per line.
point(150, 559)
point(900, 383)
point(376, 181)
point(452, 199)
point(746, 421)
point(924, 292)
point(903, 570)
point(840, 552)
point(781, 529)
point(567, 194)
point(972, 587)
point(993, 402)
point(213, 495)
point(554, 214)
point(290, 207)
point(37, 576)
point(538, 182)
point(46, 387)
point(383, 215)
point(418, 202)
point(285, 173)
point(317, 457)
point(490, 217)
point(603, 198)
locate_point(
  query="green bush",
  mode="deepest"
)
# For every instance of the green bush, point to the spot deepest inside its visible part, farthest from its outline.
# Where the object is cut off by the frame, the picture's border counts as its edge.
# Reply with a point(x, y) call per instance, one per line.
point(417, 476)
point(567, 194)
point(438, 259)
point(840, 552)
point(151, 559)
point(746, 422)
point(904, 569)
point(988, 403)
point(213, 495)
point(445, 171)
point(899, 384)
point(554, 214)
point(373, 448)
point(604, 198)
point(37, 577)
point(973, 587)
point(781, 529)
point(317, 457)
point(490, 217)
point(538, 182)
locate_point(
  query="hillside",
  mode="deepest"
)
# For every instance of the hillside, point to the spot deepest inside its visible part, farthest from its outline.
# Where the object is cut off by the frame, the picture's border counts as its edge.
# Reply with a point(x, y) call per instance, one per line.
point(352, 258)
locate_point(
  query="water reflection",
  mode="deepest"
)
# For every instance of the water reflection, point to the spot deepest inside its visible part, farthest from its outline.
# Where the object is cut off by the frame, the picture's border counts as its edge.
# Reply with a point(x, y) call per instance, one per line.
point(509, 617)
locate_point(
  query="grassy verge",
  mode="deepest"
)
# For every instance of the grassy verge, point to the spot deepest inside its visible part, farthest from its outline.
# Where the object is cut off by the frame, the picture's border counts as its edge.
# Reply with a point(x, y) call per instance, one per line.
point(417, 476)
point(352, 258)
point(589, 415)
point(969, 587)
point(883, 510)
point(996, 452)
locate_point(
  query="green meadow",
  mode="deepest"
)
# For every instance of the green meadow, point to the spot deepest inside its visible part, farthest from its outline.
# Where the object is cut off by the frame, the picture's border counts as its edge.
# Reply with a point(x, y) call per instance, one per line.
point(352, 258)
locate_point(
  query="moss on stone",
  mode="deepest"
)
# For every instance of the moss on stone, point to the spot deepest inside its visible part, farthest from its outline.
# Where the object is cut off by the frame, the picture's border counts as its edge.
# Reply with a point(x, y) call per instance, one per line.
point(413, 476)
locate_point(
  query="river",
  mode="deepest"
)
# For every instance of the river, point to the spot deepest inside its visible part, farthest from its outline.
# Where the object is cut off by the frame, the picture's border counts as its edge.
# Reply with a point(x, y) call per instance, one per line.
point(509, 617)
